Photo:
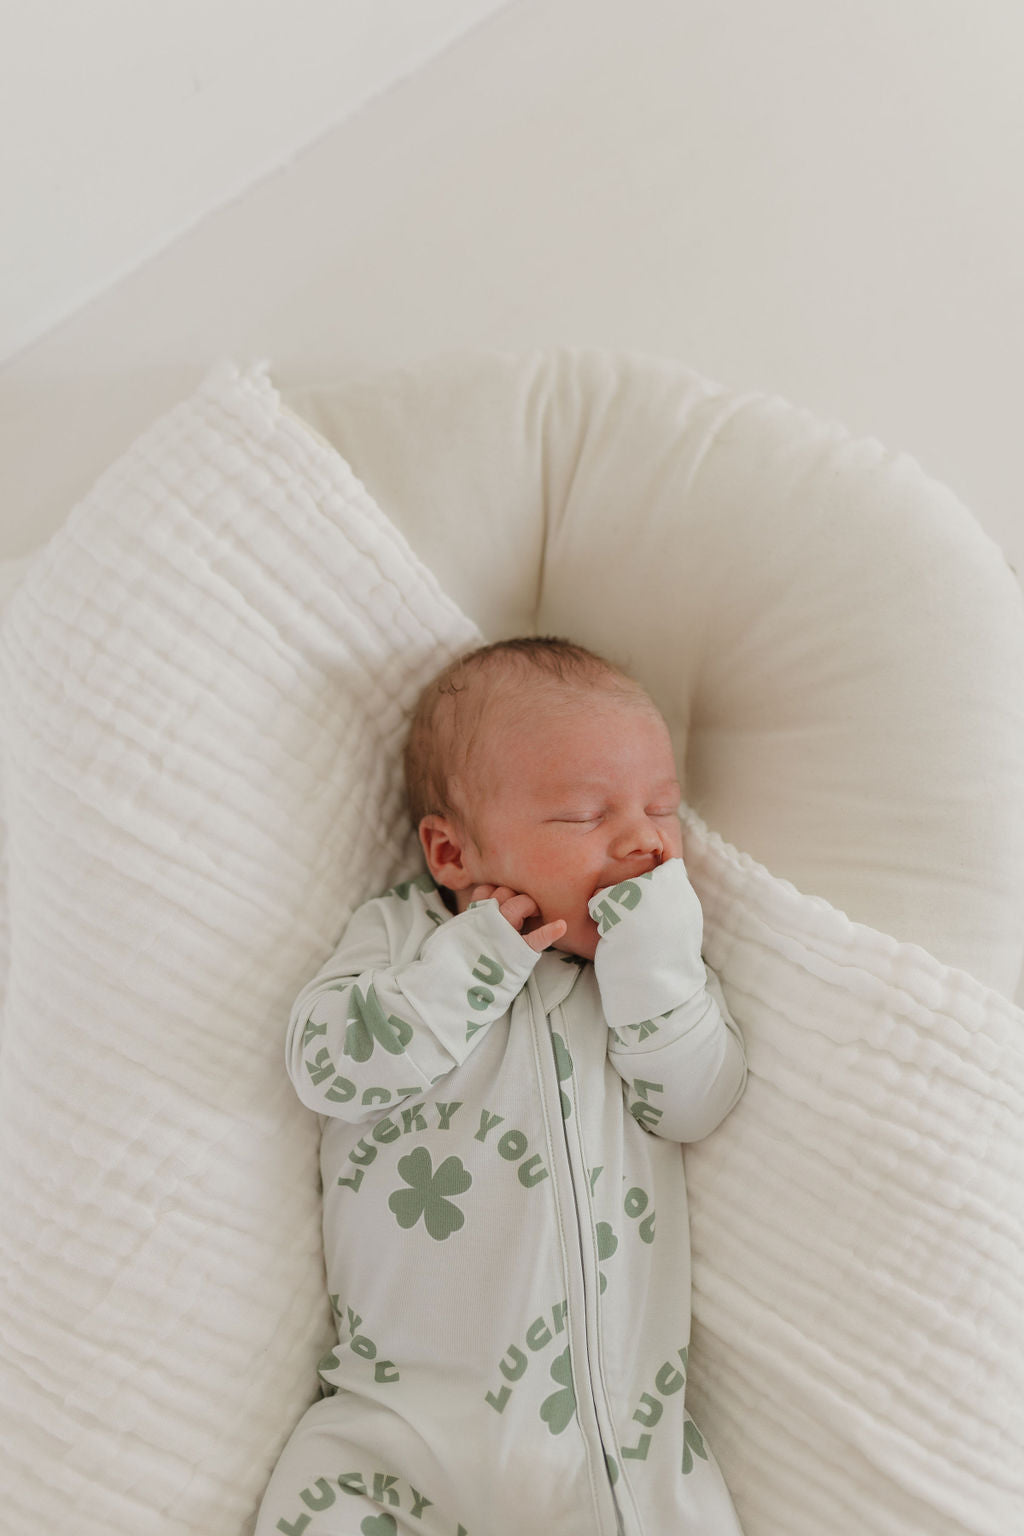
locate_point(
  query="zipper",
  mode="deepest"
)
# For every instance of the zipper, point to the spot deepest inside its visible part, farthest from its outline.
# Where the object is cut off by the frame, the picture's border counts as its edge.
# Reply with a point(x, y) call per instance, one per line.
point(575, 1237)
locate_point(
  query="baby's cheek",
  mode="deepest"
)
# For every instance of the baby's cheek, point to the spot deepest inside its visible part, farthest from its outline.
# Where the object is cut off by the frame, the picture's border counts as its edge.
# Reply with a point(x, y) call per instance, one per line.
point(672, 840)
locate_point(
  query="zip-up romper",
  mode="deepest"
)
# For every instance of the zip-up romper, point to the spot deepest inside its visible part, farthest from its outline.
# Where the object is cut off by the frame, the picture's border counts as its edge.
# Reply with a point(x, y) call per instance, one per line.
point(505, 1222)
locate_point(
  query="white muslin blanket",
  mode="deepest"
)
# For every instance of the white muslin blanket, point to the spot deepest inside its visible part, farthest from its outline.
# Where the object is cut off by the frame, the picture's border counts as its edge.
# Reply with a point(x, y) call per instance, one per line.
point(206, 678)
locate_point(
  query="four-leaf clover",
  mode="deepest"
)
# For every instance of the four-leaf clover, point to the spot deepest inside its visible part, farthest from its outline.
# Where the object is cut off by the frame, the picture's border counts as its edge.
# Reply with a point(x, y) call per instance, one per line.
point(368, 1023)
point(431, 1193)
point(558, 1409)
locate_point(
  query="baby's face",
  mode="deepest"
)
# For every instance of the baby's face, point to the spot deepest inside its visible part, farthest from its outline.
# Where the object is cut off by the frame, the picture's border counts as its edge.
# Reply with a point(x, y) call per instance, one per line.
point(584, 798)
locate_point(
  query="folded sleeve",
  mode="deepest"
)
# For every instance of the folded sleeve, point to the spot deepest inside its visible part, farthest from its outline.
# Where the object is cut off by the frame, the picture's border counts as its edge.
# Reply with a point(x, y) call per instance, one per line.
point(672, 1039)
point(368, 1031)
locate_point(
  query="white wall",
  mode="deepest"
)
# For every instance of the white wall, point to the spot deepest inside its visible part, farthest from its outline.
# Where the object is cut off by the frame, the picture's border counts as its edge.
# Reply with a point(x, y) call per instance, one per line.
point(824, 201)
point(124, 121)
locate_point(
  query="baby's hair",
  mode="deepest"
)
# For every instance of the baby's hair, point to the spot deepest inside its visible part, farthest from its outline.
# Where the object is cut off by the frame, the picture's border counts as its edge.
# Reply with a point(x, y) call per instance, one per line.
point(490, 680)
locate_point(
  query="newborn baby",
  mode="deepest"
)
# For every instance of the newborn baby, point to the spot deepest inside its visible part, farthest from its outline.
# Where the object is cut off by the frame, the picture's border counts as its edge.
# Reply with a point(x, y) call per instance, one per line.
point(506, 1053)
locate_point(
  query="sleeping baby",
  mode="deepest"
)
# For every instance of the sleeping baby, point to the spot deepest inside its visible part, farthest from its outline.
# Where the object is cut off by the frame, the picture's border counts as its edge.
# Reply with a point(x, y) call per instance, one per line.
point(506, 1054)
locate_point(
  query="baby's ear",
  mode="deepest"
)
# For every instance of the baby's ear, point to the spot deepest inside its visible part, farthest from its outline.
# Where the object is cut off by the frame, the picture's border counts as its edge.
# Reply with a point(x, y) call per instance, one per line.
point(443, 850)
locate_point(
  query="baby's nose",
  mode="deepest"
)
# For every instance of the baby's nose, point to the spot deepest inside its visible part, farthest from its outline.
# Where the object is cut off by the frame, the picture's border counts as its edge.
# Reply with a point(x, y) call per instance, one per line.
point(641, 836)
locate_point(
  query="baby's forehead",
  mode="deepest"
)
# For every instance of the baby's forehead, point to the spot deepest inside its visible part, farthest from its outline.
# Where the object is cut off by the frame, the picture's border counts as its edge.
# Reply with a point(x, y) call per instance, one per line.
point(575, 723)
point(532, 705)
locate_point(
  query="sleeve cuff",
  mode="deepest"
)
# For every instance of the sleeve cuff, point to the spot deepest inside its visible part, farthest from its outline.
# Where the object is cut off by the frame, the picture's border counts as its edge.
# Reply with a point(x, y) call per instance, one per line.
point(467, 975)
point(648, 958)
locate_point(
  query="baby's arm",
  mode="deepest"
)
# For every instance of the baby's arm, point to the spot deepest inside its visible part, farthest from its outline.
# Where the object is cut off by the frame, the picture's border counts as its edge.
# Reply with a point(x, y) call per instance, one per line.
point(368, 1032)
point(672, 1040)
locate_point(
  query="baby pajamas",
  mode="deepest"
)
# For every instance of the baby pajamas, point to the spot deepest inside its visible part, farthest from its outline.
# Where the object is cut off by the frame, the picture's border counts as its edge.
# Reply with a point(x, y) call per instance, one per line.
point(505, 1222)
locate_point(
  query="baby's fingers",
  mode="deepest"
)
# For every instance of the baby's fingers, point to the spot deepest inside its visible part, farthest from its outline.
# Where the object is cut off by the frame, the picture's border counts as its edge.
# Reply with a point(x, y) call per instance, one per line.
point(516, 907)
point(549, 933)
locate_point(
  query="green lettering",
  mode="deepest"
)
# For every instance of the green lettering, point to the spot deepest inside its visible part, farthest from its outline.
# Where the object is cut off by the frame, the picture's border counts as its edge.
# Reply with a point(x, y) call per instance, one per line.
point(363, 1347)
point(386, 1130)
point(445, 1113)
point(606, 916)
point(645, 1115)
point(512, 1146)
point(384, 1489)
point(627, 894)
point(645, 1089)
point(488, 970)
point(323, 1500)
point(669, 1380)
point(412, 1119)
point(532, 1171)
point(355, 1181)
point(514, 1364)
point(498, 1402)
point(635, 1202)
point(386, 1371)
point(352, 1482)
point(653, 1411)
point(368, 1153)
point(538, 1334)
point(293, 1529)
point(321, 1067)
point(340, 1091)
point(479, 997)
point(487, 1124)
point(419, 1503)
point(693, 1445)
point(639, 1451)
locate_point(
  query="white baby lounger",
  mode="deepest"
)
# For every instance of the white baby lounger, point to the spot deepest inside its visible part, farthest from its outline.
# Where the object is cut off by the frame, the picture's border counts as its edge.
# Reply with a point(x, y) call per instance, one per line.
point(206, 678)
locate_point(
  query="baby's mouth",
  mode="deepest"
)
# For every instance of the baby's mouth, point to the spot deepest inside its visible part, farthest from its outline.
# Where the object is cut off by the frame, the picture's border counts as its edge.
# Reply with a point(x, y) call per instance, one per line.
point(621, 879)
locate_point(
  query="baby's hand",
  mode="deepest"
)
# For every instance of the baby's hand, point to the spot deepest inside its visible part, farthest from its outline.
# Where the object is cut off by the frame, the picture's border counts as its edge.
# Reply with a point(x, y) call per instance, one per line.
point(516, 908)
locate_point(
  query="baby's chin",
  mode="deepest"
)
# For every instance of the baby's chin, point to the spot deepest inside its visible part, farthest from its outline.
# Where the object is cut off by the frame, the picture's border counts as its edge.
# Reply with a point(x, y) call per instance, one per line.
point(583, 945)
point(580, 939)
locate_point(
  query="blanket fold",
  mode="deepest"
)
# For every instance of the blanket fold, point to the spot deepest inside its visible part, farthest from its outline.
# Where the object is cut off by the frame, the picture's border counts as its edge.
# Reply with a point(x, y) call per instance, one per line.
point(206, 677)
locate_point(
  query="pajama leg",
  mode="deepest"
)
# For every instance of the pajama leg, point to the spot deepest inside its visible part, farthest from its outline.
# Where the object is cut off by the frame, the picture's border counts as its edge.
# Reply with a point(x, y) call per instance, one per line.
point(352, 1468)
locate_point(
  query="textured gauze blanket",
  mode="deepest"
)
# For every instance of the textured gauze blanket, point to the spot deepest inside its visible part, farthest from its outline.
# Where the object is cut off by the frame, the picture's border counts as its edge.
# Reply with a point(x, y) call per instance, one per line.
point(206, 678)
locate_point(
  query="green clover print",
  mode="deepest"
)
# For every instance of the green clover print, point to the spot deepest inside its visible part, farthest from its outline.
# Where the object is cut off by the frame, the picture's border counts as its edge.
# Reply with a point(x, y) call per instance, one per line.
point(563, 1067)
point(558, 1409)
point(430, 1194)
point(607, 1242)
point(379, 1525)
point(367, 1022)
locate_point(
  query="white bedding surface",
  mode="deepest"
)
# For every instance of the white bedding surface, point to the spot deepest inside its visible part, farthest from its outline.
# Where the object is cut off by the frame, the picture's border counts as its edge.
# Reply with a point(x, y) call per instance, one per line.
point(207, 676)
point(837, 648)
point(858, 1226)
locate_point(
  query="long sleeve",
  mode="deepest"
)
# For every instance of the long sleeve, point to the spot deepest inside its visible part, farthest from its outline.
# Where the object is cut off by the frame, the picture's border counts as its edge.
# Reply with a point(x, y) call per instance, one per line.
point(369, 1030)
point(672, 1039)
